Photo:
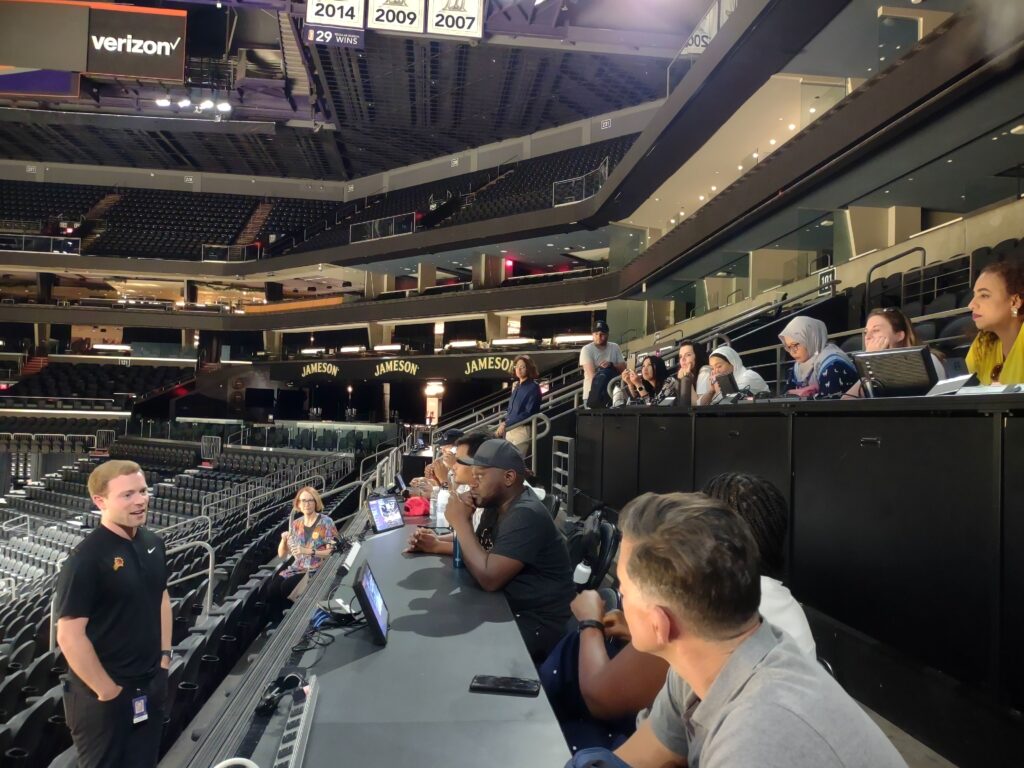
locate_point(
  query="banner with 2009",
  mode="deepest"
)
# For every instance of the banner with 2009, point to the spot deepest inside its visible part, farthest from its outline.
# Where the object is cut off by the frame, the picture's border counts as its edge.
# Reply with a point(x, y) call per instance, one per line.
point(445, 18)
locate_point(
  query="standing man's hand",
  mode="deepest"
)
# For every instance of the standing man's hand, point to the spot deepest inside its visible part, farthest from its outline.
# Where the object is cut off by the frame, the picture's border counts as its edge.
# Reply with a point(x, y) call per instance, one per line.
point(109, 694)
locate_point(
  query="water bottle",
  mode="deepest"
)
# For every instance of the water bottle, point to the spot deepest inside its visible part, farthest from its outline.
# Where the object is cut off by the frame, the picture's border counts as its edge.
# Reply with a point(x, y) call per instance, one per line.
point(582, 573)
point(456, 553)
point(440, 518)
point(433, 503)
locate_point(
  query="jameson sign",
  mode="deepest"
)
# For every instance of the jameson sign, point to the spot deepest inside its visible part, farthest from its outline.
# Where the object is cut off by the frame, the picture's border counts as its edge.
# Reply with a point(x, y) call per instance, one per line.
point(396, 366)
point(141, 42)
point(324, 369)
point(490, 363)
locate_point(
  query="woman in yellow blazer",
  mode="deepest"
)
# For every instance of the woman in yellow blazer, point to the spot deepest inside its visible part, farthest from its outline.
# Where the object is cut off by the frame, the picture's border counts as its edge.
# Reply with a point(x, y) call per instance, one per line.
point(997, 354)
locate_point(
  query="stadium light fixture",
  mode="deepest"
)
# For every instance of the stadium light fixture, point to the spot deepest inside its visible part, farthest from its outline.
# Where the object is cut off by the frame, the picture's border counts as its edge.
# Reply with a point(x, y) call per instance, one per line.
point(206, 104)
point(223, 106)
point(163, 101)
point(184, 102)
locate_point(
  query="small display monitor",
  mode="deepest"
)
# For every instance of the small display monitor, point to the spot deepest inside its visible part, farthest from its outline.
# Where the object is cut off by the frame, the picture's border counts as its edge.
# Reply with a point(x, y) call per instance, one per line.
point(400, 481)
point(372, 602)
point(386, 513)
point(901, 372)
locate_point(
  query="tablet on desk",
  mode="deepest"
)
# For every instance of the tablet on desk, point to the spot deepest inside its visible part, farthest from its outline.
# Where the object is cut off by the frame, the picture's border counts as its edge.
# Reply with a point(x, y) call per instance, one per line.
point(372, 602)
point(386, 513)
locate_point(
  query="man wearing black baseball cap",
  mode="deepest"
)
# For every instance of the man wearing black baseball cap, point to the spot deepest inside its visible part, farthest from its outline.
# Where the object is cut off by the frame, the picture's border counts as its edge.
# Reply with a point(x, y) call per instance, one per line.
point(600, 356)
point(528, 559)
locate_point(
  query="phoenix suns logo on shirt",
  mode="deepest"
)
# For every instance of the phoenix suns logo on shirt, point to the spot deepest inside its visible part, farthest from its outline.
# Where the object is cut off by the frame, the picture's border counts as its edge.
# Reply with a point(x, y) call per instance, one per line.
point(118, 563)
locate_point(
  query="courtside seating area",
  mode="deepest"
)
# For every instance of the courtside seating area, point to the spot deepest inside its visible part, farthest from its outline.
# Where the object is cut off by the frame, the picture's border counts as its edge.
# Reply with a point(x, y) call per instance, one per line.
point(33, 201)
point(91, 380)
point(159, 224)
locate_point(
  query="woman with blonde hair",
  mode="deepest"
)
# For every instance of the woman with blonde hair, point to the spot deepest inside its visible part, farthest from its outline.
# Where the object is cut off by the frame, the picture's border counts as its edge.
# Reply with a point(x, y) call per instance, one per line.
point(889, 328)
point(310, 540)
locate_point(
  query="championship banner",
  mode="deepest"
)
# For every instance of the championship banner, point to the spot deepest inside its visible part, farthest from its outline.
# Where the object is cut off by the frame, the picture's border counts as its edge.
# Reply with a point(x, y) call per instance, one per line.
point(339, 38)
point(456, 18)
point(397, 15)
point(346, 14)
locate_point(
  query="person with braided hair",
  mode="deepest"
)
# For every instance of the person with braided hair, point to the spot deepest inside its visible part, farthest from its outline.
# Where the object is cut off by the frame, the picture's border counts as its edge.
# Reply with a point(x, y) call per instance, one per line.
point(598, 683)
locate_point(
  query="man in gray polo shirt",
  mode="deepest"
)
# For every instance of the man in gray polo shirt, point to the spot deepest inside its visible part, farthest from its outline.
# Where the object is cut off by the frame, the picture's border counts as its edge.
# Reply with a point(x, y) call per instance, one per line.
point(739, 692)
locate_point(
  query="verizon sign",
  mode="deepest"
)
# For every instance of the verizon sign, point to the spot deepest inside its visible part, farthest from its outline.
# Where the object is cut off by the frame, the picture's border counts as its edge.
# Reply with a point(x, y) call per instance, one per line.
point(137, 42)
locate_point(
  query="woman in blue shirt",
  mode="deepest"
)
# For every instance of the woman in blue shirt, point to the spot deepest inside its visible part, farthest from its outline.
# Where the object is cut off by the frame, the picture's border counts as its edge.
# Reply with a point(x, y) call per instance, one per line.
point(820, 368)
point(523, 404)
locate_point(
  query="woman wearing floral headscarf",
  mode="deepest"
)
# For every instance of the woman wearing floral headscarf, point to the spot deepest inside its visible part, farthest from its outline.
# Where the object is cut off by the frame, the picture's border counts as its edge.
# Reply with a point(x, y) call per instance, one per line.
point(821, 369)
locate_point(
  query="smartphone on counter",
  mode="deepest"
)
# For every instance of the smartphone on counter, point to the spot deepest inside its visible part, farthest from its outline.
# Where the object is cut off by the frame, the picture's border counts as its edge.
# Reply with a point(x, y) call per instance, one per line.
point(504, 686)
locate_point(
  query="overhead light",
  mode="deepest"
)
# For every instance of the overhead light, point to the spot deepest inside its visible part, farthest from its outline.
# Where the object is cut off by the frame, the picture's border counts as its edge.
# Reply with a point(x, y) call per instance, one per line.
point(813, 110)
point(464, 344)
point(739, 167)
point(827, 223)
point(312, 351)
point(701, 198)
point(184, 102)
point(573, 338)
point(792, 126)
point(516, 342)
point(206, 104)
point(355, 350)
point(163, 101)
point(1018, 130)
point(389, 348)
point(714, 188)
point(772, 142)
point(755, 155)
point(223, 106)
point(434, 389)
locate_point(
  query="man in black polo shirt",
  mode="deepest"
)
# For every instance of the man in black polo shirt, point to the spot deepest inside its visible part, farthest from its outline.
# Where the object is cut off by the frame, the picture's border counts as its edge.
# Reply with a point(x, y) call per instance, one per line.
point(114, 627)
point(528, 558)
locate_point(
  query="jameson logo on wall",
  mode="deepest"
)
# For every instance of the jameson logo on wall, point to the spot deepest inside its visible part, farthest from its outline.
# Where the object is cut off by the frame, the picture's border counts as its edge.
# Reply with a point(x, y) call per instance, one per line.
point(327, 369)
point(140, 42)
point(490, 363)
point(396, 366)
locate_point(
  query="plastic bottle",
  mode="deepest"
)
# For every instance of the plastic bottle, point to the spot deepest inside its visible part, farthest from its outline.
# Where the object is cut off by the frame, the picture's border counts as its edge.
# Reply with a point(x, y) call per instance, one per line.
point(433, 503)
point(440, 518)
point(457, 553)
point(582, 573)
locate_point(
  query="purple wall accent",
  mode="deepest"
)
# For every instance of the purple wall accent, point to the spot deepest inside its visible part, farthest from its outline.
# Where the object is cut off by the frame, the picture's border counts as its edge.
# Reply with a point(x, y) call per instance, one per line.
point(43, 82)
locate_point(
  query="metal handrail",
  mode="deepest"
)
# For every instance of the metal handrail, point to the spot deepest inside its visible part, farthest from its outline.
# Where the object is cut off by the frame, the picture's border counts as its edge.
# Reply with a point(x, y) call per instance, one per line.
point(308, 480)
point(207, 601)
point(188, 522)
point(380, 450)
point(882, 263)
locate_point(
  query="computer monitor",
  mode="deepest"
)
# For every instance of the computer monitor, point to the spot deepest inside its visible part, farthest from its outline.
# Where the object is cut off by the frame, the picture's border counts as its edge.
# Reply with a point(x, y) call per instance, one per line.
point(372, 602)
point(386, 513)
point(400, 482)
point(901, 372)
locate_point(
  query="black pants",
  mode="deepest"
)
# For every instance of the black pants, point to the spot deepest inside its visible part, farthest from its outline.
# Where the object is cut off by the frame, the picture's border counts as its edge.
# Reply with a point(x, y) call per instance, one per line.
point(278, 591)
point(103, 732)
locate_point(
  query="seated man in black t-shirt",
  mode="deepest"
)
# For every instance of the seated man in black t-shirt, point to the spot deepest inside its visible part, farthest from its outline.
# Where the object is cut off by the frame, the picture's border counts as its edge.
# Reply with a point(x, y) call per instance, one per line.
point(527, 558)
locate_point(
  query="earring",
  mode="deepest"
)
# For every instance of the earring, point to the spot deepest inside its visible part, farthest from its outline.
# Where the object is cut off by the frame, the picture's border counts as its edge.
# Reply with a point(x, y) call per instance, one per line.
point(1014, 311)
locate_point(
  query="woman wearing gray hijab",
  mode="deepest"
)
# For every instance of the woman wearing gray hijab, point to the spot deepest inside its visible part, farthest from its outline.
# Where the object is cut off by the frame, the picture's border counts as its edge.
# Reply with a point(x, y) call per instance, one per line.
point(820, 369)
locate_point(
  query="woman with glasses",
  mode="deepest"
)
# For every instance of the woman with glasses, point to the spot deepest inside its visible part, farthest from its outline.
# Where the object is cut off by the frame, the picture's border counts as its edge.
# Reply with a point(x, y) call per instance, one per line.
point(310, 539)
point(997, 354)
point(820, 368)
point(889, 328)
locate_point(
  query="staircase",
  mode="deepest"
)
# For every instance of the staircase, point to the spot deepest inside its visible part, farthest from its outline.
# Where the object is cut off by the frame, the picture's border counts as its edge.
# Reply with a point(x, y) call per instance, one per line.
point(33, 366)
point(294, 67)
point(99, 210)
point(94, 219)
point(255, 224)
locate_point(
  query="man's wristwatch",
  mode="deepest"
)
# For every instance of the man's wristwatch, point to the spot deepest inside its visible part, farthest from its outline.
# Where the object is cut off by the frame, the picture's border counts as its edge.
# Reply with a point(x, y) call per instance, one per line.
point(167, 654)
point(591, 623)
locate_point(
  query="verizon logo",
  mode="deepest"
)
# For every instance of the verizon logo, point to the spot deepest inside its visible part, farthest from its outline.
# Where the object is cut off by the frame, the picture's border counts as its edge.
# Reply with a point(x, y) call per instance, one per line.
point(133, 45)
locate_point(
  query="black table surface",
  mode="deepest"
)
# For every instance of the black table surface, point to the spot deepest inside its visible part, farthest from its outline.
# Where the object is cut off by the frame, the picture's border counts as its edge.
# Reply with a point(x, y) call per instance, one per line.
point(408, 703)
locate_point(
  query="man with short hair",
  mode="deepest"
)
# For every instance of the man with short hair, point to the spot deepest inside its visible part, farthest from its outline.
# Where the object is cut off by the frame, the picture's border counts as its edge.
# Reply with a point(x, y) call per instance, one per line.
point(600, 356)
point(739, 692)
point(114, 626)
point(526, 558)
